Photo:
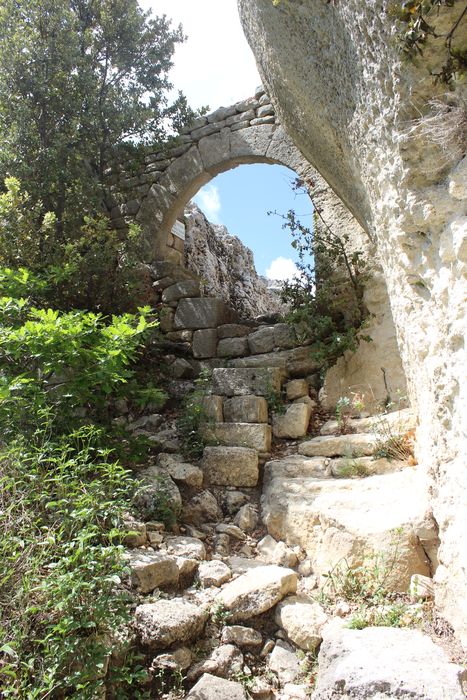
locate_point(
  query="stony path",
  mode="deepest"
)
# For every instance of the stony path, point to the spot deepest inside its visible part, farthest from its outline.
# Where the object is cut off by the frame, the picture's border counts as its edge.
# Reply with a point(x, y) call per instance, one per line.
point(236, 601)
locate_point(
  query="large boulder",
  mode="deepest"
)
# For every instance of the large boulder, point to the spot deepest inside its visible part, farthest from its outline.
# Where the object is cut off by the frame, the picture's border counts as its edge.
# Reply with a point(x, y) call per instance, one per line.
point(342, 87)
point(382, 662)
point(351, 520)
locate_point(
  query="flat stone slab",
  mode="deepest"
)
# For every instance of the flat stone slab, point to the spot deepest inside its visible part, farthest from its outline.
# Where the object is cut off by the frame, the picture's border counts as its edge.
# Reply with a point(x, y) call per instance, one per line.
point(257, 436)
point(232, 347)
point(239, 382)
point(398, 422)
point(256, 591)
point(199, 312)
point(383, 662)
point(231, 466)
point(352, 445)
point(165, 622)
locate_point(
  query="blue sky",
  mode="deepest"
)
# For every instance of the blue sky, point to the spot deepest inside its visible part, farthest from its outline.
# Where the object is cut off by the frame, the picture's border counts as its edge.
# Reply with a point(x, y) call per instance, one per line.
point(216, 67)
point(241, 198)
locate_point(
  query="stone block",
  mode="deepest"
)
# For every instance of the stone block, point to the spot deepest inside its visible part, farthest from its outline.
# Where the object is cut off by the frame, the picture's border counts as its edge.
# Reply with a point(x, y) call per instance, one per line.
point(150, 571)
point(205, 343)
point(221, 114)
point(199, 313)
point(232, 330)
point(293, 423)
point(165, 622)
point(246, 409)
point(231, 466)
point(213, 408)
point(254, 435)
point(232, 347)
point(180, 290)
point(210, 687)
point(265, 111)
point(256, 591)
point(262, 340)
point(261, 381)
point(296, 389)
point(284, 336)
point(215, 149)
point(302, 619)
point(353, 445)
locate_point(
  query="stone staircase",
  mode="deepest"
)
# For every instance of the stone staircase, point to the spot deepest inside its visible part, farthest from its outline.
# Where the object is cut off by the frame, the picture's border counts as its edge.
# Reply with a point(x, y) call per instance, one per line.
point(231, 597)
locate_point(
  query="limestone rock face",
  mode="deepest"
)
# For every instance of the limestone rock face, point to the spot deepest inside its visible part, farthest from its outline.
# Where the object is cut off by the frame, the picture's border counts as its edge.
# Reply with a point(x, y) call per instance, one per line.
point(338, 80)
point(382, 662)
point(226, 266)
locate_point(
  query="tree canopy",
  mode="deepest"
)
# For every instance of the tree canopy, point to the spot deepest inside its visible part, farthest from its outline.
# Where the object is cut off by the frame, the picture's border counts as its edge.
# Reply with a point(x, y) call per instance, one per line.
point(78, 79)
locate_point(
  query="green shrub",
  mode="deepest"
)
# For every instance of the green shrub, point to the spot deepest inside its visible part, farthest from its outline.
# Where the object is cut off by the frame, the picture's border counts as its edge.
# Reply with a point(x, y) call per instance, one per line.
point(63, 495)
point(62, 505)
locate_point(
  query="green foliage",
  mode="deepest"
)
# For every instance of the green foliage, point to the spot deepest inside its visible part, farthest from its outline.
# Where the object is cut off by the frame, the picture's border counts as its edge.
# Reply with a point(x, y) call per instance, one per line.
point(395, 615)
point(54, 364)
point(325, 298)
point(62, 504)
point(194, 418)
point(97, 269)
point(63, 495)
point(351, 469)
point(275, 400)
point(419, 23)
point(346, 407)
point(220, 615)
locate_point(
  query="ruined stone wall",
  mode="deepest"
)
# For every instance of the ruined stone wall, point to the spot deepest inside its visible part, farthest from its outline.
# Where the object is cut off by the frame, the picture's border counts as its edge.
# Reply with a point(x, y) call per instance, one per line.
point(337, 79)
point(226, 267)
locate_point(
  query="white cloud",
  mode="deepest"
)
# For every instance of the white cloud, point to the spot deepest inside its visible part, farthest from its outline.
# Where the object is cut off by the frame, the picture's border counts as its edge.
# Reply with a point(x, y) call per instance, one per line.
point(282, 269)
point(215, 66)
point(209, 202)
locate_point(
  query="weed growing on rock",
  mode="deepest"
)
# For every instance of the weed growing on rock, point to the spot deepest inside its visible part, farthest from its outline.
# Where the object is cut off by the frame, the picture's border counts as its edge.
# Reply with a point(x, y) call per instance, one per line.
point(194, 418)
point(346, 407)
point(220, 615)
point(418, 18)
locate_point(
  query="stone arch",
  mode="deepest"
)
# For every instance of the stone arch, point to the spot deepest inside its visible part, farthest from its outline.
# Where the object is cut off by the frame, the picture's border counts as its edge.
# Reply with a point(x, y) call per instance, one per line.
point(246, 133)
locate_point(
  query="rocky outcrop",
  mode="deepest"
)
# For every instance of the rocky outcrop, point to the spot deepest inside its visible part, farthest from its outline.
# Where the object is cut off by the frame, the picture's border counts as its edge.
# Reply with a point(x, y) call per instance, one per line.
point(337, 78)
point(226, 267)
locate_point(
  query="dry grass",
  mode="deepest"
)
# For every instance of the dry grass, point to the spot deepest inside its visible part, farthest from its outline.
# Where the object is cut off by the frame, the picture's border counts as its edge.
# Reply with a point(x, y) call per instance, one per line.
point(445, 126)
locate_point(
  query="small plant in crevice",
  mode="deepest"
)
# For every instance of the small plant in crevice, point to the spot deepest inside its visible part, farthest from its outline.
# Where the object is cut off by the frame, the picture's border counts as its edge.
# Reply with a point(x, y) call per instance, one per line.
point(418, 20)
point(366, 583)
point(346, 407)
point(275, 401)
point(351, 468)
point(394, 441)
point(195, 418)
point(220, 615)
point(308, 667)
point(394, 615)
point(325, 299)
